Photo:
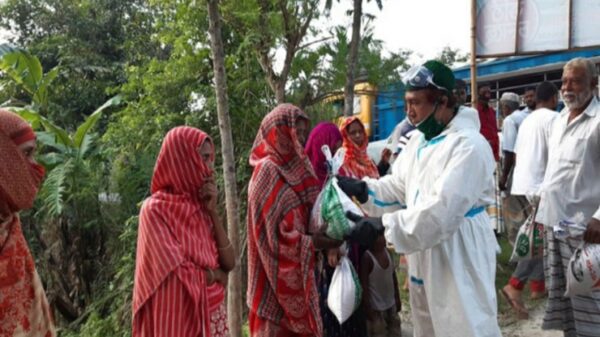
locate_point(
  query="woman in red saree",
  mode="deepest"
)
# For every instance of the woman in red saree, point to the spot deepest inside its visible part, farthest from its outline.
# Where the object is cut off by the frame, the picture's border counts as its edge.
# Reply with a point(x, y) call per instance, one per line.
point(357, 163)
point(24, 310)
point(183, 253)
point(282, 294)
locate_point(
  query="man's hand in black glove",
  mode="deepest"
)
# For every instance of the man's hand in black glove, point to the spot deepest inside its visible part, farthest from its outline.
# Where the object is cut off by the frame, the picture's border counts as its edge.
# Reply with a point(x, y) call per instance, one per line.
point(354, 188)
point(366, 229)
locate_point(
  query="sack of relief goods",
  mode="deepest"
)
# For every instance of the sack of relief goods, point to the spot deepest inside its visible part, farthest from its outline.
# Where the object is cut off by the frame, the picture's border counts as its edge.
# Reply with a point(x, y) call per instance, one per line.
point(583, 271)
point(345, 292)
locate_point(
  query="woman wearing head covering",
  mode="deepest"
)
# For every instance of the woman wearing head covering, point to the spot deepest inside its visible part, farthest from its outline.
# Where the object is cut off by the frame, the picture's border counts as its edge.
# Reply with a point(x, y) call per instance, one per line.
point(183, 254)
point(282, 295)
point(325, 133)
point(24, 310)
point(357, 163)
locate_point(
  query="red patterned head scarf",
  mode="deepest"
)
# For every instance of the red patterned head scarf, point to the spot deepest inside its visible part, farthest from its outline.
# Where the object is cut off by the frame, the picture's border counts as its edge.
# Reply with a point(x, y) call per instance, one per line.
point(24, 308)
point(356, 160)
point(19, 179)
point(175, 229)
point(325, 133)
point(277, 141)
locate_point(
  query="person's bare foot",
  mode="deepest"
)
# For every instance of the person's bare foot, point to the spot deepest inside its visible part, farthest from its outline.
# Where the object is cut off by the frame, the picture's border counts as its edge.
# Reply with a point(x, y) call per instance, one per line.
point(536, 295)
point(513, 297)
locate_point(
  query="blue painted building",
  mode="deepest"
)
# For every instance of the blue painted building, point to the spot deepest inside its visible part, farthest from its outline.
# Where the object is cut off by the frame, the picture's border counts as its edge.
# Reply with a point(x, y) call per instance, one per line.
point(504, 74)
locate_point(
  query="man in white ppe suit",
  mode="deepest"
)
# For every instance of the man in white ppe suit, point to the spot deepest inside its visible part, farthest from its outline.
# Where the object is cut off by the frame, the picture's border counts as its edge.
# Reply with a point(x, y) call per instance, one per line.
point(432, 208)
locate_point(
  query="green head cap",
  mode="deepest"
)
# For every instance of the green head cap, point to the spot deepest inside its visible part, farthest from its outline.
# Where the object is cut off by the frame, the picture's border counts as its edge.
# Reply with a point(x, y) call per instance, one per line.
point(430, 73)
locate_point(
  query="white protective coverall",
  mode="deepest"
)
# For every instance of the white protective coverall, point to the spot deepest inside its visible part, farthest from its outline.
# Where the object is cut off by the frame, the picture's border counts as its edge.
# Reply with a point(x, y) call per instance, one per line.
point(433, 209)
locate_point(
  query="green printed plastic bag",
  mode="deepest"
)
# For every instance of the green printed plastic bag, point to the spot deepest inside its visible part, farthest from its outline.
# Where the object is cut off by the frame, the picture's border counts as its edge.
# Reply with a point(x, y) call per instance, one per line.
point(530, 240)
point(334, 205)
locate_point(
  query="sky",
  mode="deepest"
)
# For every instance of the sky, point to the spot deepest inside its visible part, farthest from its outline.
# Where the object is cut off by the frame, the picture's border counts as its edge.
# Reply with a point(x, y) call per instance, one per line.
point(423, 26)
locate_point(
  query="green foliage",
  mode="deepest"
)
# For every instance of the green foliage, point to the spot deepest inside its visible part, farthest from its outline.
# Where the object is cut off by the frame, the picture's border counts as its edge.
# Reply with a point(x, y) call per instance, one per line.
point(450, 57)
point(312, 82)
point(153, 55)
point(26, 71)
point(54, 188)
point(90, 40)
point(67, 206)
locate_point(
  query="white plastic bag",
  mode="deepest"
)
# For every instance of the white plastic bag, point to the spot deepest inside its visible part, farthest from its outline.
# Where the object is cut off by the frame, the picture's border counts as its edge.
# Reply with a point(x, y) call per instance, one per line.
point(316, 219)
point(583, 271)
point(345, 292)
point(316, 222)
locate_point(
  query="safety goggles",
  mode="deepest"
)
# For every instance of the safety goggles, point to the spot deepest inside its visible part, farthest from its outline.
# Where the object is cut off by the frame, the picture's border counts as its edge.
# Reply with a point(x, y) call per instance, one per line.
point(420, 77)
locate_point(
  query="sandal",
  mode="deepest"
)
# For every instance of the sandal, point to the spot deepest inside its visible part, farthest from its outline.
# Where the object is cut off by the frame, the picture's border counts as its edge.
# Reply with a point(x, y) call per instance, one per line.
point(516, 304)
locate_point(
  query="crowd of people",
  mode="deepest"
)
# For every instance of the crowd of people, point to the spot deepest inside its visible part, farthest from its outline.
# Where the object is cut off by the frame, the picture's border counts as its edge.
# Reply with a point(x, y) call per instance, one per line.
point(431, 199)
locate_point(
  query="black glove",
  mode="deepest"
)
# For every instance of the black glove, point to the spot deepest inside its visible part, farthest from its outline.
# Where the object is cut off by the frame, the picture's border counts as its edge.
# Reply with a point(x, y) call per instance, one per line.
point(366, 230)
point(354, 188)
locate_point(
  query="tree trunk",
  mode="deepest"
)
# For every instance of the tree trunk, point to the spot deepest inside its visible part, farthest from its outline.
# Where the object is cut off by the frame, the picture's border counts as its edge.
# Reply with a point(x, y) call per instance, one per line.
point(234, 291)
point(295, 28)
point(352, 58)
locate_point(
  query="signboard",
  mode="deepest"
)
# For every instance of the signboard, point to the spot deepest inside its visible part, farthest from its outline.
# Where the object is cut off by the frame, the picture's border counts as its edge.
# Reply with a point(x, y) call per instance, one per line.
point(513, 27)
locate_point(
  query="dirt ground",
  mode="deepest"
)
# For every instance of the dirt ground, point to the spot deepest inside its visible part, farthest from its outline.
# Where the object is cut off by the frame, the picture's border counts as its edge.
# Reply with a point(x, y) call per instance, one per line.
point(530, 327)
point(509, 326)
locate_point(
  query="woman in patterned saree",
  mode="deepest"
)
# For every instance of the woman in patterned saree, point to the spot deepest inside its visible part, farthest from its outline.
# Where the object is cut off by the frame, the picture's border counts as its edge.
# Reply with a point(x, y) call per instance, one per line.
point(183, 253)
point(282, 294)
point(24, 310)
point(357, 163)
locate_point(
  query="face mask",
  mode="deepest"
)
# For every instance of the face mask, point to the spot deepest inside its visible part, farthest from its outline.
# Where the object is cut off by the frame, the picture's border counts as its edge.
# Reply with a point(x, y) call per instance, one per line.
point(430, 126)
point(38, 172)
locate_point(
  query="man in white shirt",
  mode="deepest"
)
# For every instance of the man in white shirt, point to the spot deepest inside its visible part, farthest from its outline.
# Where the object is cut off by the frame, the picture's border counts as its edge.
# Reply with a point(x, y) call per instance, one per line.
point(514, 209)
point(529, 99)
point(531, 157)
point(531, 146)
point(509, 105)
point(572, 184)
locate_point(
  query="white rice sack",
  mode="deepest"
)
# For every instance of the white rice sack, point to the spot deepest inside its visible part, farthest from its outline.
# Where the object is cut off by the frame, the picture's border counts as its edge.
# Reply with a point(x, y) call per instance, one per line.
point(345, 291)
point(583, 272)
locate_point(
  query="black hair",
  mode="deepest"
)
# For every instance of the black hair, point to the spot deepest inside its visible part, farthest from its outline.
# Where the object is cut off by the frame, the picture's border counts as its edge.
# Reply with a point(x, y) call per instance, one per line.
point(530, 89)
point(460, 84)
point(545, 91)
point(483, 85)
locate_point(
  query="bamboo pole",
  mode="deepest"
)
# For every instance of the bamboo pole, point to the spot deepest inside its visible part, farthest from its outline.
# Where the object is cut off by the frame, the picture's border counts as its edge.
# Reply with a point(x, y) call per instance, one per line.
point(474, 53)
point(234, 290)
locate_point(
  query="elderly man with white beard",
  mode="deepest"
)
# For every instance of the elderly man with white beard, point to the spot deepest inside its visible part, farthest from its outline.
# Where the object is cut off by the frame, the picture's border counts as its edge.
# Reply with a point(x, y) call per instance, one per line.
point(571, 185)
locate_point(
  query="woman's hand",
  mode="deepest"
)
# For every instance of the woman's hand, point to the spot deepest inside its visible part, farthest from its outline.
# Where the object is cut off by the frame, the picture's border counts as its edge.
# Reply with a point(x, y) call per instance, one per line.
point(333, 257)
point(209, 193)
point(221, 277)
point(386, 155)
point(216, 275)
point(322, 241)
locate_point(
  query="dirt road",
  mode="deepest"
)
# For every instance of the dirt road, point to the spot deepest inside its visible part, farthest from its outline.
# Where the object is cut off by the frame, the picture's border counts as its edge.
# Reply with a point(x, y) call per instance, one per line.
point(509, 325)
